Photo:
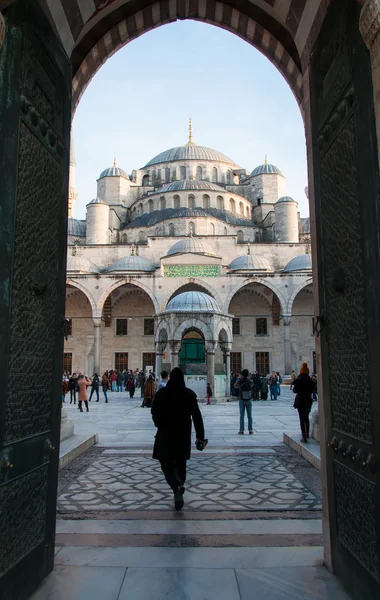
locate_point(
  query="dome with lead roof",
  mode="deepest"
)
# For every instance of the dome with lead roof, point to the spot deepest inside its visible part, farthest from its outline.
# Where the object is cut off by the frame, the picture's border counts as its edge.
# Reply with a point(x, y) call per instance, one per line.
point(192, 302)
point(250, 262)
point(190, 152)
point(191, 245)
point(299, 263)
point(76, 227)
point(190, 184)
point(80, 264)
point(266, 169)
point(133, 263)
point(113, 171)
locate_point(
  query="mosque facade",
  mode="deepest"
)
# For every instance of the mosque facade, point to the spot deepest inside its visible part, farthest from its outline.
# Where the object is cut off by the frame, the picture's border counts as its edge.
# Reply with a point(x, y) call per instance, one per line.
point(190, 261)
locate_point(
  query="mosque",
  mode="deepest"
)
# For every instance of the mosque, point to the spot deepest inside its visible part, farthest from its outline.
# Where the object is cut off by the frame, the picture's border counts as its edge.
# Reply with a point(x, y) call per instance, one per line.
point(189, 261)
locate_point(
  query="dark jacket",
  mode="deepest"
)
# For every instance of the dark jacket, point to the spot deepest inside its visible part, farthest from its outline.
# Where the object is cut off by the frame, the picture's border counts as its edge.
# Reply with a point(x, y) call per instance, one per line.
point(303, 387)
point(172, 412)
point(95, 383)
point(119, 379)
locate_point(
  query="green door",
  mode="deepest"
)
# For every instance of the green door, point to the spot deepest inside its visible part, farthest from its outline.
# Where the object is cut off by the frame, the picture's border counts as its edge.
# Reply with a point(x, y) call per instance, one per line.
point(192, 351)
point(35, 106)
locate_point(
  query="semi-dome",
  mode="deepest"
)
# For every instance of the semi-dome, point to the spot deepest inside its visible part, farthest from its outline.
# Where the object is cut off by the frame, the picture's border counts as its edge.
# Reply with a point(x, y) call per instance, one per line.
point(286, 199)
point(192, 302)
point(191, 245)
point(190, 184)
point(299, 263)
point(113, 171)
point(80, 264)
point(133, 263)
point(250, 262)
point(76, 227)
point(190, 152)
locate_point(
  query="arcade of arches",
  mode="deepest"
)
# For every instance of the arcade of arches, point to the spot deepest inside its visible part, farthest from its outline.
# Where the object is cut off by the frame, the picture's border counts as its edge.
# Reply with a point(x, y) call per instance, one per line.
point(329, 54)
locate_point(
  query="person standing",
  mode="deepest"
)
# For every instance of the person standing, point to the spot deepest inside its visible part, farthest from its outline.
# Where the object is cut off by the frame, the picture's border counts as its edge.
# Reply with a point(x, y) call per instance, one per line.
point(105, 386)
point(141, 380)
point(83, 383)
point(208, 393)
point(303, 388)
point(95, 387)
point(244, 387)
point(131, 386)
point(113, 381)
point(148, 392)
point(264, 388)
point(315, 387)
point(73, 387)
point(65, 387)
point(279, 382)
point(175, 408)
point(273, 385)
point(163, 381)
point(119, 381)
point(292, 378)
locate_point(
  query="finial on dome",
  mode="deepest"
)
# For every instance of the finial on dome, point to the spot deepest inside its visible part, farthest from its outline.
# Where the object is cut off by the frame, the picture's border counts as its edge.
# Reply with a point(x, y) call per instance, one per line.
point(114, 162)
point(266, 159)
point(190, 142)
point(248, 248)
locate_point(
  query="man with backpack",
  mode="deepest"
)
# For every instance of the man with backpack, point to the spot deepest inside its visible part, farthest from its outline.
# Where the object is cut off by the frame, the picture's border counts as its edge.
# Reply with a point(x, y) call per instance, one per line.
point(244, 387)
point(95, 386)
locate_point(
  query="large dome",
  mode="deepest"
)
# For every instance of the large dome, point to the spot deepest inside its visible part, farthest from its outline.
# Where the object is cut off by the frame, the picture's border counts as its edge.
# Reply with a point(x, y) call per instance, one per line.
point(191, 245)
point(190, 152)
point(250, 262)
point(80, 264)
point(133, 263)
point(190, 184)
point(299, 263)
point(149, 219)
point(192, 302)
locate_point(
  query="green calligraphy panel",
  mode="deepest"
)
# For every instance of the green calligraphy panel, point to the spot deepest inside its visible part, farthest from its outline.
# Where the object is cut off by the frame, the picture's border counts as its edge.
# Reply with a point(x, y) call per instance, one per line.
point(191, 271)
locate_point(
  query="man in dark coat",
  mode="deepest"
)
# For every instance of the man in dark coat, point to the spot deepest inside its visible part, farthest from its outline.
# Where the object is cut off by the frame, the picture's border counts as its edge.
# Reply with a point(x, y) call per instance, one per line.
point(303, 387)
point(174, 407)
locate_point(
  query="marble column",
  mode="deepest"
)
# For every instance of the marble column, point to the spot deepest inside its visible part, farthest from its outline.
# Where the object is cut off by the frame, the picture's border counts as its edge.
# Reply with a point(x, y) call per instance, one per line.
point(370, 30)
point(211, 370)
point(158, 364)
point(228, 373)
point(97, 323)
point(287, 345)
point(175, 347)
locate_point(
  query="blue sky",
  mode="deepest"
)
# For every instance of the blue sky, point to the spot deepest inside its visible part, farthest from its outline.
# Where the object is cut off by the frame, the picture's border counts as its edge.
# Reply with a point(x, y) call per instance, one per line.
point(139, 103)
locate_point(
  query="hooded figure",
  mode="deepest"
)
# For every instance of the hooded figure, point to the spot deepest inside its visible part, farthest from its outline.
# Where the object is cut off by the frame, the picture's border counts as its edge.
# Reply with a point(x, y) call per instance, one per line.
point(175, 407)
point(303, 387)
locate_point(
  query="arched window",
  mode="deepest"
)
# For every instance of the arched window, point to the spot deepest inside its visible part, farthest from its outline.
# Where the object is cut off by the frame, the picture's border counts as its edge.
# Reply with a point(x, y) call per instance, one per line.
point(191, 201)
point(191, 228)
point(258, 201)
point(174, 174)
point(183, 172)
point(150, 205)
point(219, 202)
point(214, 176)
point(167, 175)
point(162, 203)
point(241, 208)
point(199, 172)
point(124, 238)
point(240, 237)
point(176, 201)
point(247, 212)
point(225, 231)
point(206, 201)
point(140, 209)
point(145, 180)
point(154, 177)
point(212, 229)
point(229, 176)
point(158, 178)
point(142, 237)
point(232, 205)
point(171, 228)
point(134, 211)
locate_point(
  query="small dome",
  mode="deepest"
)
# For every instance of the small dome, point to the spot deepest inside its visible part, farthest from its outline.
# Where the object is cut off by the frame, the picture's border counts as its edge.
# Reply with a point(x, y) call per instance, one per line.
point(97, 201)
point(286, 199)
point(133, 263)
point(191, 245)
point(113, 171)
point(189, 152)
point(190, 184)
point(80, 264)
point(299, 263)
point(192, 302)
point(266, 169)
point(250, 262)
point(76, 227)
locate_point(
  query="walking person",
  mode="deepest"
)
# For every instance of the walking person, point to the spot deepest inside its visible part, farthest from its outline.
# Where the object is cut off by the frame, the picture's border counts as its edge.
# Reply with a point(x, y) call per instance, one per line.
point(131, 386)
point(83, 384)
point(273, 385)
point(105, 387)
point(315, 387)
point(113, 381)
point(292, 378)
point(95, 387)
point(148, 392)
point(175, 408)
point(208, 393)
point(244, 387)
point(163, 381)
point(303, 388)
point(119, 381)
point(73, 387)
point(279, 382)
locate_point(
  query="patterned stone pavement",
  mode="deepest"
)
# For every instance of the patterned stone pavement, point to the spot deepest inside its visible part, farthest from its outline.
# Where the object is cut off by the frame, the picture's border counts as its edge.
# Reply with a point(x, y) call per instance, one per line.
point(215, 482)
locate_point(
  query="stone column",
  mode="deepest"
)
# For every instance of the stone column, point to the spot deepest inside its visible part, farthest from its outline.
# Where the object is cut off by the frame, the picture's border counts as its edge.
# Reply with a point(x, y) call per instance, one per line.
point(370, 30)
point(210, 362)
point(97, 322)
point(228, 373)
point(175, 347)
point(158, 366)
point(287, 346)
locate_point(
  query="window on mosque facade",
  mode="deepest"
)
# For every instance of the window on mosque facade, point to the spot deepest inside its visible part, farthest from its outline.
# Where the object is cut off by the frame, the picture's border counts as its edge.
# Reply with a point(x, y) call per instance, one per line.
point(191, 228)
point(214, 174)
point(236, 326)
point(121, 326)
point(142, 236)
point(199, 173)
point(258, 201)
point(206, 201)
point(262, 363)
point(149, 360)
point(145, 180)
point(240, 237)
point(148, 326)
point(167, 175)
point(219, 203)
point(140, 209)
point(229, 176)
point(247, 211)
point(236, 362)
point(171, 228)
point(191, 202)
point(68, 362)
point(162, 203)
point(158, 178)
point(225, 231)
point(176, 202)
point(212, 229)
point(232, 205)
point(150, 206)
point(262, 326)
point(241, 208)
point(183, 172)
point(153, 177)
point(121, 361)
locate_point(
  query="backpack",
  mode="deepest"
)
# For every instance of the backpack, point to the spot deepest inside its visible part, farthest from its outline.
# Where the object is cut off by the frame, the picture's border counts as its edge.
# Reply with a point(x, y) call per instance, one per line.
point(95, 382)
point(245, 390)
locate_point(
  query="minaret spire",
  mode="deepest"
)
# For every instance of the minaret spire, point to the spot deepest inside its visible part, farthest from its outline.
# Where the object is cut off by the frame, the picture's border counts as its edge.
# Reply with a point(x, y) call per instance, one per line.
point(266, 159)
point(114, 162)
point(190, 142)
